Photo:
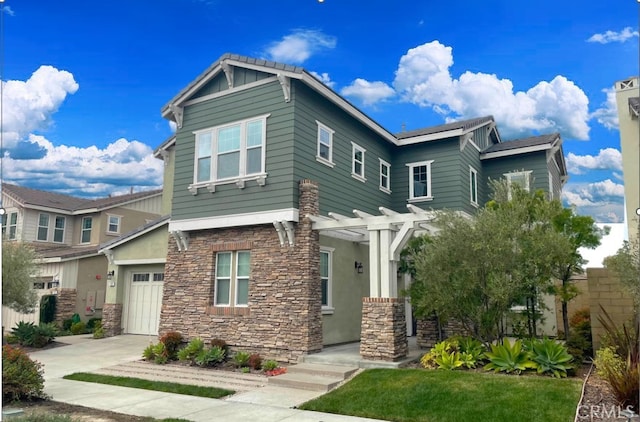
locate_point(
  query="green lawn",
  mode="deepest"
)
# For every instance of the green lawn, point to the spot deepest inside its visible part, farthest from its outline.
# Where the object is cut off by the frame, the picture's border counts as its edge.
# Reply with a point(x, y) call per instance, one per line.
point(167, 387)
point(405, 395)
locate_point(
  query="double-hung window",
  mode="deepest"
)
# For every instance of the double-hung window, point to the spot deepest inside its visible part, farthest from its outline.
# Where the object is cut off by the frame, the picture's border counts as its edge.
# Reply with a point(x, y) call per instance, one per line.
point(232, 278)
point(85, 234)
point(113, 225)
point(420, 181)
point(520, 178)
point(58, 229)
point(473, 186)
point(357, 162)
point(385, 176)
point(43, 227)
point(12, 218)
point(326, 264)
point(324, 153)
point(232, 152)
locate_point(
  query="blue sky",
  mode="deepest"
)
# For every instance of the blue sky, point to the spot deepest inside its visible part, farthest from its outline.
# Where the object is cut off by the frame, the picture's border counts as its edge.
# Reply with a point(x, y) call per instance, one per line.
point(85, 81)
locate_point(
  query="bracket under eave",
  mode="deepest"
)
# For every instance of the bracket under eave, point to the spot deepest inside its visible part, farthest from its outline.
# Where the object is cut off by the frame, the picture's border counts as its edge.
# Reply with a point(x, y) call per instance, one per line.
point(285, 231)
point(182, 239)
point(285, 82)
point(228, 72)
point(178, 113)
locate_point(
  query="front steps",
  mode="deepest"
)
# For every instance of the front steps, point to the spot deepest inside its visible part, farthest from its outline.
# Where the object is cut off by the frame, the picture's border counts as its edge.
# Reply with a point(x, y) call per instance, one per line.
point(313, 377)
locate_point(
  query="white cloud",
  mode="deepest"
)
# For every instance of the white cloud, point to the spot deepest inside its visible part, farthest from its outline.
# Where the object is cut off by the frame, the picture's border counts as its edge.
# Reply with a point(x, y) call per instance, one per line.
point(613, 36)
point(604, 200)
point(607, 159)
point(299, 46)
point(423, 78)
point(607, 114)
point(8, 10)
point(368, 92)
point(173, 126)
point(324, 78)
point(29, 105)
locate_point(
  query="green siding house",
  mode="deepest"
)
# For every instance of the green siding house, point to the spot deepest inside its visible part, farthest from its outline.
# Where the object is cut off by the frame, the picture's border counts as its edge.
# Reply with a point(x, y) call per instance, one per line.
point(289, 207)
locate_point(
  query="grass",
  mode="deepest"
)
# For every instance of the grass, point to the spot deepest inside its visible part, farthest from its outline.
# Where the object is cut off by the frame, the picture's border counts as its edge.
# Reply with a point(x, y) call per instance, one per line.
point(413, 395)
point(167, 387)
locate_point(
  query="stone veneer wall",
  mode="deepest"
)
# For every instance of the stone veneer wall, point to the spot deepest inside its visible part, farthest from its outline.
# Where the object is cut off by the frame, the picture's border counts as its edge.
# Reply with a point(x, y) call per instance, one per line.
point(384, 329)
point(427, 334)
point(283, 320)
point(112, 319)
point(65, 304)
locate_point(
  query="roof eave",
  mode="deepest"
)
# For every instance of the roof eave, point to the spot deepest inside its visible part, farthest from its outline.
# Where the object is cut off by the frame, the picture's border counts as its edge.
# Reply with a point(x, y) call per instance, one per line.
point(515, 151)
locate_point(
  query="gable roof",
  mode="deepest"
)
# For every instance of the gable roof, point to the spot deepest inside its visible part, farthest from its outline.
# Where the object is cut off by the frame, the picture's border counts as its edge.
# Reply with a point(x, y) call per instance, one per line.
point(137, 232)
point(67, 204)
point(458, 126)
point(517, 145)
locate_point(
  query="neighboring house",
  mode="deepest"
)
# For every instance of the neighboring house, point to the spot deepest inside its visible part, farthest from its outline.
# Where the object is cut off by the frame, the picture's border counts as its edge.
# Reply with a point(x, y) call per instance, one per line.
point(66, 232)
point(628, 104)
point(290, 207)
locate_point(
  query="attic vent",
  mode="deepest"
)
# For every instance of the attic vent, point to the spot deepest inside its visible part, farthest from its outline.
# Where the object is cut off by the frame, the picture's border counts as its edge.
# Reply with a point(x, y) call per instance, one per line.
point(629, 83)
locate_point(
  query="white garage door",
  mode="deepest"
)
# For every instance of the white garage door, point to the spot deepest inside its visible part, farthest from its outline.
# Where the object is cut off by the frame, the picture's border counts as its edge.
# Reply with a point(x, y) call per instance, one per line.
point(144, 301)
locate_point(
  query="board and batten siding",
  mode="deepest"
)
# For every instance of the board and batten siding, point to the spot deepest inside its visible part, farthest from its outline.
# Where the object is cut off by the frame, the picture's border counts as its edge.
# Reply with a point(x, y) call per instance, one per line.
point(240, 77)
point(339, 191)
point(536, 162)
point(228, 199)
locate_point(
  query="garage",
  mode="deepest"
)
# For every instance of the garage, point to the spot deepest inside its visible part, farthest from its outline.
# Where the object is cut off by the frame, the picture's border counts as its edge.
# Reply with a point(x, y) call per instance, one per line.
point(143, 302)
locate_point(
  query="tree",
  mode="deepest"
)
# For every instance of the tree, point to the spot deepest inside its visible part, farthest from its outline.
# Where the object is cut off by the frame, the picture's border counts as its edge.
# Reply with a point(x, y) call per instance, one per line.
point(18, 268)
point(582, 232)
point(626, 264)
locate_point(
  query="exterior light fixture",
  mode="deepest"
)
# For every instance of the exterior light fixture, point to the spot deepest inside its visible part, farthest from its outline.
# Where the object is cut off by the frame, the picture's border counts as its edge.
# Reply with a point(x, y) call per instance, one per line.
point(358, 267)
point(110, 275)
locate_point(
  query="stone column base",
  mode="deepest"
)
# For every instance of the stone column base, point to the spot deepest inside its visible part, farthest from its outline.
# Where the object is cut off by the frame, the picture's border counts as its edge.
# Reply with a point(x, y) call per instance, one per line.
point(384, 331)
point(112, 319)
point(65, 304)
point(428, 333)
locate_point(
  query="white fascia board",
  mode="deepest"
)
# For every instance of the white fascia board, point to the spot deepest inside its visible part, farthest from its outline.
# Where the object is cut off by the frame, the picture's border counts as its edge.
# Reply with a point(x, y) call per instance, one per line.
point(514, 151)
point(234, 220)
point(230, 91)
point(264, 69)
point(127, 239)
point(46, 209)
point(140, 261)
point(440, 135)
point(166, 111)
point(73, 258)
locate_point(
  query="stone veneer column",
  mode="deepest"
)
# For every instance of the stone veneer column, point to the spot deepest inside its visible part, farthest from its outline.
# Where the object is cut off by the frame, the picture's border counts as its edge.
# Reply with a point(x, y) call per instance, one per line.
point(384, 331)
point(112, 319)
point(65, 304)
point(427, 333)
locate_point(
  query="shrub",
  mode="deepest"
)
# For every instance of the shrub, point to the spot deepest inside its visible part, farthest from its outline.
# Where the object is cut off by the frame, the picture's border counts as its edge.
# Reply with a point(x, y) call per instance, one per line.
point(11, 339)
point(172, 341)
point(449, 360)
point(217, 342)
point(44, 334)
point(269, 365)
point(579, 343)
point(47, 308)
point(78, 328)
point(98, 332)
point(66, 324)
point(160, 355)
point(471, 351)
point(551, 357)
point(508, 358)
point(241, 359)
point(429, 360)
point(31, 335)
point(22, 378)
point(93, 323)
point(24, 332)
point(191, 351)
point(148, 354)
point(211, 357)
point(255, 361)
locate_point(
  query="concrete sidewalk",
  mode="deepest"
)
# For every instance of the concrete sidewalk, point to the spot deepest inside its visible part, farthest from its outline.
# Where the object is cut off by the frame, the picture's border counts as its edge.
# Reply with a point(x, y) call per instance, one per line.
point(82, 353)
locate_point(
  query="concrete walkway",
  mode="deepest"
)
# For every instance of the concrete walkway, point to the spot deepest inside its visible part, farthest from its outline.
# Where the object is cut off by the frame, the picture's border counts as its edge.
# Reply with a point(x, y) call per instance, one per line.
point(84, 354)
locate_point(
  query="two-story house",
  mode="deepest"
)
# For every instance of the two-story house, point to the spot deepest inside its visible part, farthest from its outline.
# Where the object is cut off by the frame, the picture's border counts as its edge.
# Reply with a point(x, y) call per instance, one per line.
point(290, 207)
point(66, 231)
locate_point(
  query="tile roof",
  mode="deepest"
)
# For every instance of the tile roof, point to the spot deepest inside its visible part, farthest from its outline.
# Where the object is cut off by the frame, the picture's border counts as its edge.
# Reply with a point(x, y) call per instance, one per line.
point(461, 124)
point(523, 143)
point(634, 104)
point(41, 198)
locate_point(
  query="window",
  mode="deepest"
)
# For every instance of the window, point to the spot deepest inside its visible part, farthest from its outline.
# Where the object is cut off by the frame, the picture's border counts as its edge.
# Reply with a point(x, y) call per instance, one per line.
point(473, 186)
point(420, 180)
point(520, 178)
point(85, 235)
point(325, 145)
point(326, 264)
point(140, 277)
point(12, 218)
point(114, 224)
point(357, 162)
point(385, 176)
point(58, 229)
point(230, 152)
point(43, 227)
point(232, 278)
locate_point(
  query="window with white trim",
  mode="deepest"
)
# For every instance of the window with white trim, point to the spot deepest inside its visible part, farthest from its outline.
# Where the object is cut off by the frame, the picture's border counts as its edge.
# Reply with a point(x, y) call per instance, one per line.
point(385, 176)
point(357, 162)
point(43, 227)
point(420, 181)
point(520, 178)
point(473, 186)
point(324, 153)
point(12, 219)
point(231, 152)
point(85, 232)
point(326, 265)
point(551, 193)
point(113, 225)
point(58, 229)
point(232, 278)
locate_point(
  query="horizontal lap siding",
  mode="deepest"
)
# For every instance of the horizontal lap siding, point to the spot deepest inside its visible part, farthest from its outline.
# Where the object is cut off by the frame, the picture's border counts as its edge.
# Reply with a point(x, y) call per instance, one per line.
point(229, 199)
point(470, 157)
point(534, 161)
point(339, 191)
point(240, 77)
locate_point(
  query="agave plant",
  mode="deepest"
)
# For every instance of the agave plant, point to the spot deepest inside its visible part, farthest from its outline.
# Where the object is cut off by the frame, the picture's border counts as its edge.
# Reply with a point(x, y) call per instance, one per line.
point(449, 361)
point(508, 358)
point(551, 357)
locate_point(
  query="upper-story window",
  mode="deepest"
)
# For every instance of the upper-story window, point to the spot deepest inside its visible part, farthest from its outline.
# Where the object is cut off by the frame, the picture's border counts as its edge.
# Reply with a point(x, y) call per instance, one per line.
point(114, 224)
point(357, 162)
point(325, 145)
point(232, 278)
point(231, 152)
point(85, 235)
point(58, 229)
point(420, 181)
point(12, 219)
point(473, 186)
point(43, 227)
point(385, 176)
point(520, 178)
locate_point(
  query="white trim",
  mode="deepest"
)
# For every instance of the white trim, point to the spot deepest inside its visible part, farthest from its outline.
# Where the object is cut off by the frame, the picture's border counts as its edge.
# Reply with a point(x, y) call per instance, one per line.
point(327, 161)
point(357, 148)
point(232, 220)
point(439, 135)
point(132, 237)
point(514, 151)
point(527, 179)
point(119, 217)
point(60, 259)
point(38, 227)
point(385, 189)
point(142, 261)
point(82, 230)
point(328, 308)
point(429, 195)
point(473, 188)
